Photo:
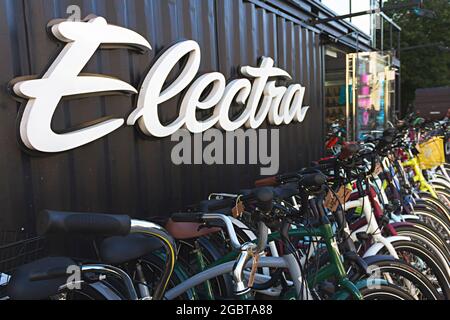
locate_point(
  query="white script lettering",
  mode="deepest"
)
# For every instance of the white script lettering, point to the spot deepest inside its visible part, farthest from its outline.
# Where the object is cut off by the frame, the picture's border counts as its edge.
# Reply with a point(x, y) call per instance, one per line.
point(258, 93)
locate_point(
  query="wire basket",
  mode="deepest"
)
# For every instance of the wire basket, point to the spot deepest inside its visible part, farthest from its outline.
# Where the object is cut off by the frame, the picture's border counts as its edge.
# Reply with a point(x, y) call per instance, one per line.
point(431, 153)
point(18, 248)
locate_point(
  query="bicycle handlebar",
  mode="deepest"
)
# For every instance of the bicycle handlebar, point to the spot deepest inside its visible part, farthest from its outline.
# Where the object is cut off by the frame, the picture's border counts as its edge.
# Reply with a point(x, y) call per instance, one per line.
point(262, 197)
point(305, 180)
point(204, 217)
point(188, 217)
point(349, 150)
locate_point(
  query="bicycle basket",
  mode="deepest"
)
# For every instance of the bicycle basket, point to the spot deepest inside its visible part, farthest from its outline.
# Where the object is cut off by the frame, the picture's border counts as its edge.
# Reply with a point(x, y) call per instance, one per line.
point(18, 248)
point(431, 153)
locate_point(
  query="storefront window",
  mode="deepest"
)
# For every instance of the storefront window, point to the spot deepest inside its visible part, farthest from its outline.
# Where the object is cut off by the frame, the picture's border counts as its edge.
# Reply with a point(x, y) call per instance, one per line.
point(369, 84)
point(335, 95)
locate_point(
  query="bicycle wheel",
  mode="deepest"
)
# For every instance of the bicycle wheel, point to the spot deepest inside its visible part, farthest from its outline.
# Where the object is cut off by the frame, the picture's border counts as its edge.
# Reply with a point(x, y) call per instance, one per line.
point(437, 223)
point(444, 195)
point(437, 203)
point(434, 208)
point(419, 257)
point(424, 234)
point(87, 292)
point(195, 259)
point(152, 267)
point(385, 292)
point(402, 275)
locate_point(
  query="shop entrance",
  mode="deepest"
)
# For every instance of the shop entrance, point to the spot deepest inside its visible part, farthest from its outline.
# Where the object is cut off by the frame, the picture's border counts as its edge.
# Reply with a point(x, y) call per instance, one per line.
point(370, 85)
point(359, 91)
point(335, 86)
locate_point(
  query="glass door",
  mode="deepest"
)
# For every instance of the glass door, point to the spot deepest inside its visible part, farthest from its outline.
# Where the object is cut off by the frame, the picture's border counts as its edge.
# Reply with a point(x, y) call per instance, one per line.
point(369, 90)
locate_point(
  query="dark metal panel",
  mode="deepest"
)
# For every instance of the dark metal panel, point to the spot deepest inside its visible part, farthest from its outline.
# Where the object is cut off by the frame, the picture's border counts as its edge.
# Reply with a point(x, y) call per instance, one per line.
point(14, 173)
point(126, 172)
point(300, 11)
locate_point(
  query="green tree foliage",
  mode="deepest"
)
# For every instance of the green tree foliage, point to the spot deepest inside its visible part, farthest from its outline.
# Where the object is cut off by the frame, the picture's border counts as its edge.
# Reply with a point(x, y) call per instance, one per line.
point(428, 66)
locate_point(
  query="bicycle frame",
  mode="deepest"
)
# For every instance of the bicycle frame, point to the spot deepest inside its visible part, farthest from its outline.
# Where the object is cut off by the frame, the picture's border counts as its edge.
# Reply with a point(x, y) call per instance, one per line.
point(226, 267)
point(334, 269)
point(413, 162)
point(371, 227)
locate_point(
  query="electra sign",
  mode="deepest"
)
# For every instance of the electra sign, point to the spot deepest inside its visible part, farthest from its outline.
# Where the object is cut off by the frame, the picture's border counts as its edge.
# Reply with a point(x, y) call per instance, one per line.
point(258, 92)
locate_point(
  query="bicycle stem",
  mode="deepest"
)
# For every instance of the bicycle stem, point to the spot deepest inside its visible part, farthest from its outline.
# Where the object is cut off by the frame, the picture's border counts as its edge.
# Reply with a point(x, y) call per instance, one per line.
point(248, 251)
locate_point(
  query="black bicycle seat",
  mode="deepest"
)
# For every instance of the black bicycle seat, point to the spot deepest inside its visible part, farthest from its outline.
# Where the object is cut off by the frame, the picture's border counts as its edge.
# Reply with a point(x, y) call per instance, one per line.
point(23, 285)
point(117, 250)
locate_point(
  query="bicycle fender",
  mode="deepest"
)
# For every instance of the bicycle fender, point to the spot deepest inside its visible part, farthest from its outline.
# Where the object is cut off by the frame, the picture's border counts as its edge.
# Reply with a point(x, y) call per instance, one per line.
point(407, 217)
point(344, 295)
point(105, 291)
point(374, 249)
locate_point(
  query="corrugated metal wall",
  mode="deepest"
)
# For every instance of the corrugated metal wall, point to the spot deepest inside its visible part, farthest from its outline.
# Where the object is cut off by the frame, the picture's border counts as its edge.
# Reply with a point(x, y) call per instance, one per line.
point(124, 172)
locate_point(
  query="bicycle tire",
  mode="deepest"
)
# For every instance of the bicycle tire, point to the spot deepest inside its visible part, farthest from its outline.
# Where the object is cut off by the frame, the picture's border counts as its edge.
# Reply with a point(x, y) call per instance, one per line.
point(442, 281)
point(380, 269)
point(385, 292)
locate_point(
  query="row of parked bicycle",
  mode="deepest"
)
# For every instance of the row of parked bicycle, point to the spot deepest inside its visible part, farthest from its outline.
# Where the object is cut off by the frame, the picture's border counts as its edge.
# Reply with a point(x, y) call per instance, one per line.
point(372, 221)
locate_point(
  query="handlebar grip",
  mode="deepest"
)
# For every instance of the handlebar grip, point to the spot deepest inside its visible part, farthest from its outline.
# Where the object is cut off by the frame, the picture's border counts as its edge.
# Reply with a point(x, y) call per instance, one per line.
point(288, 176)
point(385, 141)
point(264, 197)
point(313, 180)
point(49, 222)
point(187, 217)
point(267, 182)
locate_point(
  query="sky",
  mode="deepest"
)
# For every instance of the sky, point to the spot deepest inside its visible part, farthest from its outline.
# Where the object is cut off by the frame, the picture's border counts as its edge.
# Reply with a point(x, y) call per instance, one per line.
point(343, 7)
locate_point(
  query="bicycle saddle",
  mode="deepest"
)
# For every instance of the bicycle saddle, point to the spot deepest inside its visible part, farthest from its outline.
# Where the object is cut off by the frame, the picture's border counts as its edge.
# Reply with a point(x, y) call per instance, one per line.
point(207, 206)
point(25, 286)
point(117, 250)
point(286, 191)
point(188, 230)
